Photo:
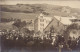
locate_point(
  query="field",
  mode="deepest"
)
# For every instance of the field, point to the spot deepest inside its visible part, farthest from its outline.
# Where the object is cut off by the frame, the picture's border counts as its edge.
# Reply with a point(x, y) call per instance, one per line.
point(18, 15)
point(6, 25)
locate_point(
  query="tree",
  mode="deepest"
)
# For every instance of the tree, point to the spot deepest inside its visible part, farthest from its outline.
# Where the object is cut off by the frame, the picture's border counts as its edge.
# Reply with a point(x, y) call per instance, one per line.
point(19, 24)
point(73, 26)
point(51, 31)
point(32, 32)
point(70, 29)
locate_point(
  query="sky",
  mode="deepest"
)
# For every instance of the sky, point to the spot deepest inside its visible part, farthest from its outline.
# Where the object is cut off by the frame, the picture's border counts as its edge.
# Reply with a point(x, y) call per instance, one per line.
point(71, 3)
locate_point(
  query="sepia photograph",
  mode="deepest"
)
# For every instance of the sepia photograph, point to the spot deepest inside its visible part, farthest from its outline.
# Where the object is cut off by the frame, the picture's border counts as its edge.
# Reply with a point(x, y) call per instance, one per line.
point(39, 25)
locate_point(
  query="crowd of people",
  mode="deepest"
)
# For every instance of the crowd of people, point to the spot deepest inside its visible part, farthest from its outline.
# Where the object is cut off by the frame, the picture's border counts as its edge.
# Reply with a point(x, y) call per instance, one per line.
point(14, 38)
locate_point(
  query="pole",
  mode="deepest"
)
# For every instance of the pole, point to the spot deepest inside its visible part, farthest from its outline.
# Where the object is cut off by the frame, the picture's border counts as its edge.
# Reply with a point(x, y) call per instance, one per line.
point(59, 49)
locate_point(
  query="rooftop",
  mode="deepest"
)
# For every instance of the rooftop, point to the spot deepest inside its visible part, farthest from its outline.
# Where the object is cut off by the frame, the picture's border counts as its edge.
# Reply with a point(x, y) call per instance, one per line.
point(65, 20)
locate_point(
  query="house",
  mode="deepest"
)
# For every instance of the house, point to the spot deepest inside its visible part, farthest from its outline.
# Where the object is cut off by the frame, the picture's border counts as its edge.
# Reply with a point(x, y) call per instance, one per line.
point(59, 24)
point(41, 22)
point(30, 24)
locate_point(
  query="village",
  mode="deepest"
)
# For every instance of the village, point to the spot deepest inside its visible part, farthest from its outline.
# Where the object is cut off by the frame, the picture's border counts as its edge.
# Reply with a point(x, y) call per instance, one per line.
point(44, 32)
point(39, 27)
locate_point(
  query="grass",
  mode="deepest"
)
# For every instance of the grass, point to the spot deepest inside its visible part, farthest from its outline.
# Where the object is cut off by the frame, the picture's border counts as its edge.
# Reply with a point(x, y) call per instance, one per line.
point(6, 25)
point(18, 15)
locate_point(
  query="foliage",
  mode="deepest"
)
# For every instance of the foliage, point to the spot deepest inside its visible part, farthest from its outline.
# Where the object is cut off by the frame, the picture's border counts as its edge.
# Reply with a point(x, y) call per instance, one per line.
point(6, 20)
point(71, 27)
point(19, 24)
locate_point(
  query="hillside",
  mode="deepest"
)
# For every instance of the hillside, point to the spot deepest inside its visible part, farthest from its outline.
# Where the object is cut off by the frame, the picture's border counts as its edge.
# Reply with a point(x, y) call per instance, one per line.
point(6, 25)
point(31, 11)
point(38, 8)
point(14, 15)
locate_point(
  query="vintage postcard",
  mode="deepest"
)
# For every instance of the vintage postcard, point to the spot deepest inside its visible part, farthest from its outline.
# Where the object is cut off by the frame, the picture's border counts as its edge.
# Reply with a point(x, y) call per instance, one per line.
point(39, 25)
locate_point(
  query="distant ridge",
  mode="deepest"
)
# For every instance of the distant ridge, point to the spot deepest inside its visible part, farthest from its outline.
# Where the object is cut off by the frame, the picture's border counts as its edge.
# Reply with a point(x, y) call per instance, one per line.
point(39, 8)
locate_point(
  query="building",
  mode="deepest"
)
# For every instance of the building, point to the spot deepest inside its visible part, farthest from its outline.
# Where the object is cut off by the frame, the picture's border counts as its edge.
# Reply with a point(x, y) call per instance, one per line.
point(41, 22)
point(30, 24)
point(59, 24)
